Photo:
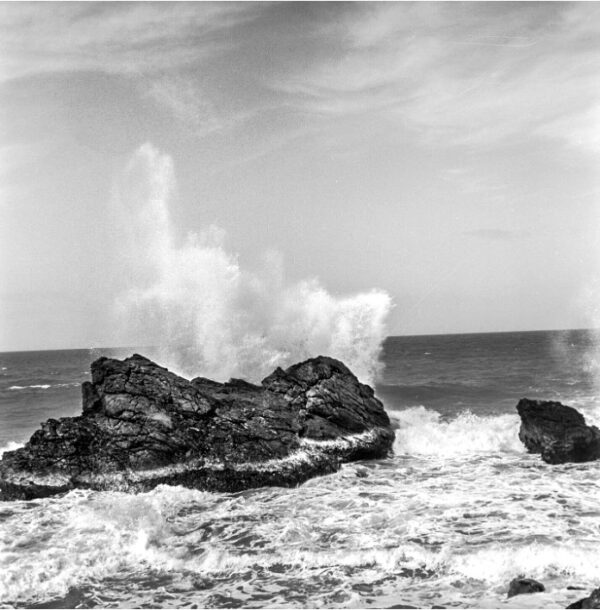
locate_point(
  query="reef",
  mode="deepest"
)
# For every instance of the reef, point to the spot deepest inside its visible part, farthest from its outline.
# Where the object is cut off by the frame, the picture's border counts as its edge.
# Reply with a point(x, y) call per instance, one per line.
point(143, 426)
point(559, 433)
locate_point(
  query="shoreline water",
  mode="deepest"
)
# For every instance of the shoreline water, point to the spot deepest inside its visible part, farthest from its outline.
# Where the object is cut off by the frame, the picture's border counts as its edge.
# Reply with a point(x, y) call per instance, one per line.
point(450, 519)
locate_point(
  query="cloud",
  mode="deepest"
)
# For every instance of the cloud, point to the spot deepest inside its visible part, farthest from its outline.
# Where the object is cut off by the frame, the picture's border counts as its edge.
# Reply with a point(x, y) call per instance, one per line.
point(187, 103)
point(462, 75)
point(580, 130)
point(118, 38)
point(164, 47)
point(447, 74)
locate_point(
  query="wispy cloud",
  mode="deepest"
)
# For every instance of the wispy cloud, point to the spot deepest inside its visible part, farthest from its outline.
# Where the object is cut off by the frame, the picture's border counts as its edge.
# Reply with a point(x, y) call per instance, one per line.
point(184, 98)
point(164, 47)
point(136, 37)
point(448, 73)
point(579, 129)
point(463, 74)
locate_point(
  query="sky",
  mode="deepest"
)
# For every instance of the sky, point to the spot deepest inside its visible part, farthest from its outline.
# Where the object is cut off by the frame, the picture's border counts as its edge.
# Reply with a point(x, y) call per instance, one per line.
point(446, 154)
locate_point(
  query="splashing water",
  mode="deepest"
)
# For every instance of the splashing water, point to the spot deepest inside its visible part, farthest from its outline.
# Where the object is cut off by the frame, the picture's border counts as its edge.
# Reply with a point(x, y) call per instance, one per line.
point(589, 303)
point(418, 531)
point(211, 317)
point(423, 432)
point(11, 446)
point(449, 519)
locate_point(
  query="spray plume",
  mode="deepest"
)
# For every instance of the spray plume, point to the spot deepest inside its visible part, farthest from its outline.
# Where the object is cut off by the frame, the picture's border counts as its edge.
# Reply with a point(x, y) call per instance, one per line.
point(212, 318)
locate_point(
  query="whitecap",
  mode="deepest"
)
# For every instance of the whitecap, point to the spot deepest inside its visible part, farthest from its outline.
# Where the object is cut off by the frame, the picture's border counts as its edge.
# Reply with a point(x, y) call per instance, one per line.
point(44, 386)
point(27, 387)
point(12, 445)
point(422, 431)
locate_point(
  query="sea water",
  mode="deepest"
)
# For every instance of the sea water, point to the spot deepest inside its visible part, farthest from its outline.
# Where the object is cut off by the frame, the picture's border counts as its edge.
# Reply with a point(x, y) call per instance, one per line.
point(449, 519)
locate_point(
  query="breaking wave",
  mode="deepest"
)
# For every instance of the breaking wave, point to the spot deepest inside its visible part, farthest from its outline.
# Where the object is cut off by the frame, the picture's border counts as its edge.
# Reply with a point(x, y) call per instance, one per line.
point(11, 446)
point(421, 431)
point(358, 531)
point(43, 386)
point(213, 318)
point(25, 387)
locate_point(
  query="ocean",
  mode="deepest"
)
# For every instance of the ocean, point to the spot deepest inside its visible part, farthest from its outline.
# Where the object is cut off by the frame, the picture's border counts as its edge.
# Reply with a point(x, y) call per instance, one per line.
point(458, 511)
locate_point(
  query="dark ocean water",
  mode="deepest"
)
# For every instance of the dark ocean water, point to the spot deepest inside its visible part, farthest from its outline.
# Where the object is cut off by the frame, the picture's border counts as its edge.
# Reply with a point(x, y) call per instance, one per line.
point(488, 373)
point(457, 512)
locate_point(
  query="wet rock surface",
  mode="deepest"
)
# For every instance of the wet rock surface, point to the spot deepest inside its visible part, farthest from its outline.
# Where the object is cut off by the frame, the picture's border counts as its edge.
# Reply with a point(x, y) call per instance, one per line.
point(142, 426)
point(520, 586)
point(559, 433)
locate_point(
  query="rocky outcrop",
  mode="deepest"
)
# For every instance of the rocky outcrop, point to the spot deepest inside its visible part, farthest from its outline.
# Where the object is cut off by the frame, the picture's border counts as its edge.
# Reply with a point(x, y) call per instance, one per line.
point(142, 426)
point(520, 586)
point(593, 601)
point(558, 432)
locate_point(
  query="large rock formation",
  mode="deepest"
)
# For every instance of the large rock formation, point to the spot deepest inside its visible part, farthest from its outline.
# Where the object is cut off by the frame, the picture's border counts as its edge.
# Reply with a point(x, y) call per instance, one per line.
point(558, 432)
point(142, 426)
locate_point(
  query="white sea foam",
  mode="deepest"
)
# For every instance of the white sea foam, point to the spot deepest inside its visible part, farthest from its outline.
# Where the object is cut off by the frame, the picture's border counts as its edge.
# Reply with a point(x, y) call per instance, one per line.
point(537, 560)
point(421, 431)
point(25, 387)
point(214, 318)
point(44, 386)
point(477, 522)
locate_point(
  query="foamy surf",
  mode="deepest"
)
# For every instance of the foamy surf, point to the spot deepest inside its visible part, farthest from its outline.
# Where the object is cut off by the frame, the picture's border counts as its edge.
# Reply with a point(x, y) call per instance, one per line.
point(420, 431)
point(392, 530)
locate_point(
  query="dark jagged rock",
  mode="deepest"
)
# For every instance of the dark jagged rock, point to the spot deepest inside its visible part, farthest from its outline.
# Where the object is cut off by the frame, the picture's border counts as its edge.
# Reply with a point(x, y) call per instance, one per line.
point(558, 432)
point(519, 586)
point(593, 601)
point(142, 426)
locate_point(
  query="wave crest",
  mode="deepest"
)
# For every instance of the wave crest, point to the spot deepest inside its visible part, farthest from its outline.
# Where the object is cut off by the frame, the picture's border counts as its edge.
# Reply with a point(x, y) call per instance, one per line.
point(43, 386)
point(421, 431)
point(12, 446)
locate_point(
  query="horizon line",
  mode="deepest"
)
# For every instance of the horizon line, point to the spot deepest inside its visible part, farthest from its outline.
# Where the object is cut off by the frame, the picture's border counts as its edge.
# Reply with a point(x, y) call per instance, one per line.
point(492, 332)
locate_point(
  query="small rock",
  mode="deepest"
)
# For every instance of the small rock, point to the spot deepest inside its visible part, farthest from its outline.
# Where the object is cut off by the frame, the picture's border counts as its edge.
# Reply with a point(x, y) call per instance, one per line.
point(519, 586)
point(559, 433)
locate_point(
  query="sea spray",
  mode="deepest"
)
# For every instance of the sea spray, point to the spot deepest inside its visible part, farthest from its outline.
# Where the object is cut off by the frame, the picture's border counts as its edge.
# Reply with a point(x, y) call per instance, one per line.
point(424, 432)
point(588, 302)
point(11, 446)
point(213, 318)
